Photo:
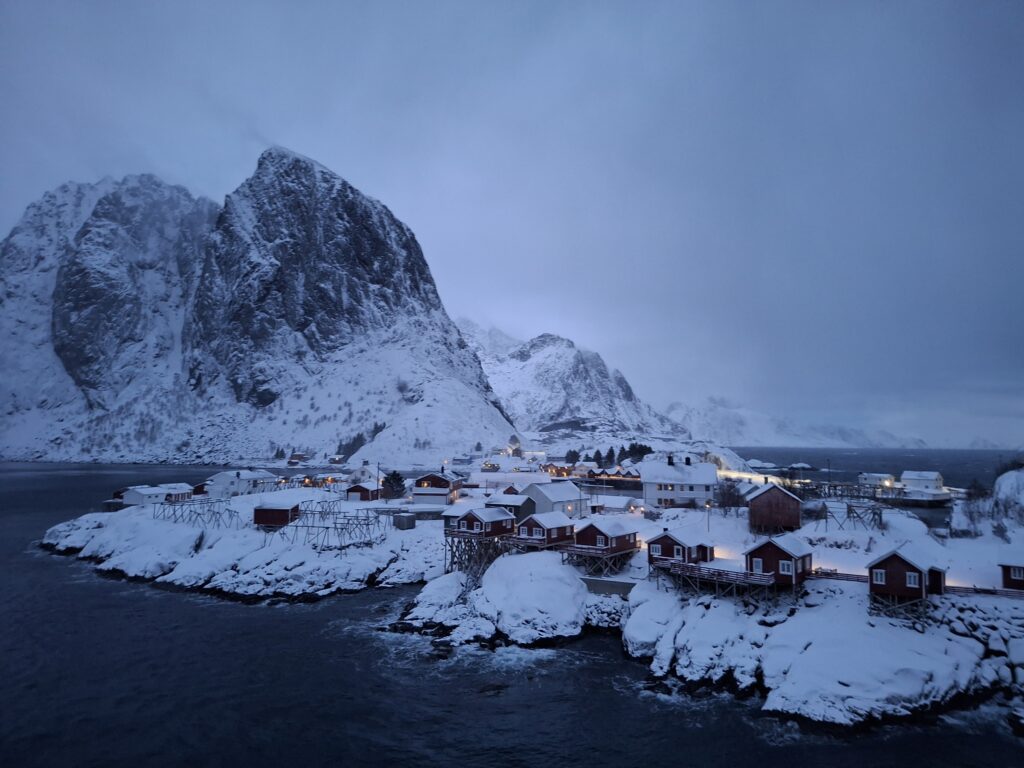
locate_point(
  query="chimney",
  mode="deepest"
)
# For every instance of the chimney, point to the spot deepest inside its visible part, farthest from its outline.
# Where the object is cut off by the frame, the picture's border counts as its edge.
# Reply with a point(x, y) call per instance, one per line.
point(687, 461)
point(671, 460)
point(664, 530)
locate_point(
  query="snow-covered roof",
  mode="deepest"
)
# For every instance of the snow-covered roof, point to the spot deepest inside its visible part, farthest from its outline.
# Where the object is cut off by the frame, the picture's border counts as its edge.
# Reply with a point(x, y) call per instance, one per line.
point(176, 487)
point(555, 492)
point(148, 490)
point(660, 472)
point(677, 536)
point(490, 514)
point(506, 499)
point(765, 488)
point(917, 556)
point(242, 474)
point(454, 512)
point(550, 519)
point(445, 474)
point(609, 527)
point(920, 475)
point(787, 542)
point(370, 485)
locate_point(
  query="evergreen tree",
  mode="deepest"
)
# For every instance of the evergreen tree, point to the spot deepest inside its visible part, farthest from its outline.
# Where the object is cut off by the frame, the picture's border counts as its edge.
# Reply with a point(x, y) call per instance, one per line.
point(572, 456)
point(588, 457)
point(394, 485)
point(609, 458)
point(622, 455)
point(478, 448)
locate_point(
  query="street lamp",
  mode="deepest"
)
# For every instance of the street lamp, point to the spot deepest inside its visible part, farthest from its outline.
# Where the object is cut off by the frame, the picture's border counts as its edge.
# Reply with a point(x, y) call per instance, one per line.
point(707, 507)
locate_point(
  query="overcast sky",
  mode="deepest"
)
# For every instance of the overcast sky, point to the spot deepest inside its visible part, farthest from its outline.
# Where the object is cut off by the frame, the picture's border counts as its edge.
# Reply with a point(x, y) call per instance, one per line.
point(813, 209)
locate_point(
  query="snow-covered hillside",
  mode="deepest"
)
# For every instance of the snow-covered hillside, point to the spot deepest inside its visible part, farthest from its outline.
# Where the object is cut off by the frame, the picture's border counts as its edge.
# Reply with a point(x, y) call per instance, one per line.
point(723, 422)
point(548, 384)
point(144, 324)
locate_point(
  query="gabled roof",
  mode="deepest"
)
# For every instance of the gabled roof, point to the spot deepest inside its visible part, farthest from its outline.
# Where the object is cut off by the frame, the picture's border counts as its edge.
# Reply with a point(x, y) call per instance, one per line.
point(370, 485)
point(555, 492)
point(506, 500)
point(911, 474)
point(490, 514)
point(660, 472)
point(451, 477)
point(788, 543)
point(609, 527)
point(921, 559)
point(765, 488)
point(550, 519)
point(176, 487)
point(677, 536)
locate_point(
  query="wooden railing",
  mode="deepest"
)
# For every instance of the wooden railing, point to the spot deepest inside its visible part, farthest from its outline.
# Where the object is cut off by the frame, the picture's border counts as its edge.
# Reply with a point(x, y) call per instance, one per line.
point(721, 575)
point(995, 591)
point(831, 573)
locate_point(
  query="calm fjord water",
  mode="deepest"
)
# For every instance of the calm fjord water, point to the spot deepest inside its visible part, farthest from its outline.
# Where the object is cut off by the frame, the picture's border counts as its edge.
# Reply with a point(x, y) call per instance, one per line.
point(99, 672)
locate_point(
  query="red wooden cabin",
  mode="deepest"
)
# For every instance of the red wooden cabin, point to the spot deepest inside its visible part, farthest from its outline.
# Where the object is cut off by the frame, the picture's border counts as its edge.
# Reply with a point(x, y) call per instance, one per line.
point(275, 516)
point(787, 557)
point(481, 522)
point(905, 574)
point(773, 509)
point(606, 536)
point(1013, 576)
point(670, 547)
point(546, 529)
point(369, 491)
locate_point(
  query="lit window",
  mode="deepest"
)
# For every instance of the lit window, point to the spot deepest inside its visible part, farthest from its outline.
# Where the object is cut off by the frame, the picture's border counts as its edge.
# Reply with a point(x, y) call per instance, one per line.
point(913, 579)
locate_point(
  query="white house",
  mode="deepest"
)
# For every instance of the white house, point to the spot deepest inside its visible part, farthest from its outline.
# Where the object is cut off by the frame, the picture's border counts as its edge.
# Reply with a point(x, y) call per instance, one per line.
point(876, 480)
point(562, 497)
point(238, 482)
point(143, 494)
point(667, 484)
point(924, 489)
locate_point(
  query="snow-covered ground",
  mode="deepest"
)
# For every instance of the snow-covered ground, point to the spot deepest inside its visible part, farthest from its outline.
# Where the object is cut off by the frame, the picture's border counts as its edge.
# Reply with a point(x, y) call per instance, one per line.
point(820, 655)
point(245, 561)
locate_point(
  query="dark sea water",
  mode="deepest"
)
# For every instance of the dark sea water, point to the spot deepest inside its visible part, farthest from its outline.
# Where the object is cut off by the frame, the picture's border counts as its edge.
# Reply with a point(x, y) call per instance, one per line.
point(98, 672)
point(958, 467)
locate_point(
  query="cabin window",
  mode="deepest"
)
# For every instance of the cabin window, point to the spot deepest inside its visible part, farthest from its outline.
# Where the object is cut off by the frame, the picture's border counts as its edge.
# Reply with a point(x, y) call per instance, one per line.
point(600, 541)
point(476, 527)
point(707, 488)
point(462, 525)
point(538, 532)
point(913, 579)
point(878, 576)
point(786, 567)
point(691, 489)
point(656, 550)
point(1016, 573)
point(523, 531)
point(757, 564)
point(800, 565)
point(613, 541)
point(487, 526)
point(677, 552)
point(568, 531)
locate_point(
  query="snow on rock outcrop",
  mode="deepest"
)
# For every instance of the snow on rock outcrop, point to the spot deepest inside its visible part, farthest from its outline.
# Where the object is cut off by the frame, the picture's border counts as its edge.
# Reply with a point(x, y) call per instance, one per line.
point(144, 324)
point(241, 561)
point(1009, 489)
point(827, 660)
point(533, 597)
point(548, 384)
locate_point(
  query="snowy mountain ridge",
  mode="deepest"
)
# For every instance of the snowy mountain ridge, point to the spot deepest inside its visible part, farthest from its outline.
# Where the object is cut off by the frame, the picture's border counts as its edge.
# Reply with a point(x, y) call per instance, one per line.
point(147, 325)
point(549, 385)
point(729, 424)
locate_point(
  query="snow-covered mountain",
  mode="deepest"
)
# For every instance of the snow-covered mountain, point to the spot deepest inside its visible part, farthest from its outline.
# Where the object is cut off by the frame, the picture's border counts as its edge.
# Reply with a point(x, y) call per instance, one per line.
point(723, 422)
point(144, 324)
point(549, 385)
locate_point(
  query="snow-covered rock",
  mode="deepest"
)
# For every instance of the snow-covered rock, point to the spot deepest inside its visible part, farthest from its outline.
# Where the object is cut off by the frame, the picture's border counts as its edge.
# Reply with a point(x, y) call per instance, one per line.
point(141, 323)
